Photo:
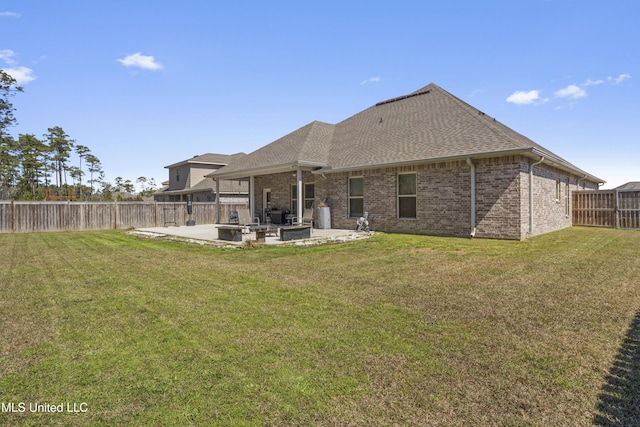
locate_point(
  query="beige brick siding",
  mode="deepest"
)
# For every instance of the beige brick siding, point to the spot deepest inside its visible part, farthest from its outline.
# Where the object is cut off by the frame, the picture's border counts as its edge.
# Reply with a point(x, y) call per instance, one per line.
point(444, 197)
point(498, 198)
point(550, 211)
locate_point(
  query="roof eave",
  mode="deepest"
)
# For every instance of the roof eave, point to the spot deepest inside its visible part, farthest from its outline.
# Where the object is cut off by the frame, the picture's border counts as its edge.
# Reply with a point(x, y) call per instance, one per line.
point(329, 169)
point(188, 162)
point(267, 170)
point(529, 152)
point(566, 166)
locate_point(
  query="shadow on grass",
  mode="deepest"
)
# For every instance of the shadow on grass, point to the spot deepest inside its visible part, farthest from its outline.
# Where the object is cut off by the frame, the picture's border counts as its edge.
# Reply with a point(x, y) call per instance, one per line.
point(619, 400)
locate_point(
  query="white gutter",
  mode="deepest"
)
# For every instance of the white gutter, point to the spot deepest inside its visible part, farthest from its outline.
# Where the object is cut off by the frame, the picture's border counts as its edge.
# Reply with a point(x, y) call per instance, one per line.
point(531, 194)
point(473, 197)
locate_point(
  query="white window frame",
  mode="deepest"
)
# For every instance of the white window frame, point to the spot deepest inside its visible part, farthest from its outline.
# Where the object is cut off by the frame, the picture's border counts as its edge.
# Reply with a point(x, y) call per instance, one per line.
point(400, 196)
point(294, 198)
point(350, 197)
point(308, 201)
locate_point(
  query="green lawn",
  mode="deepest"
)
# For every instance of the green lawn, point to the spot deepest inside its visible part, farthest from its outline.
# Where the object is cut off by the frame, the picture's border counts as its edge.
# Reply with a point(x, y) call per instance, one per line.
point(392, 330)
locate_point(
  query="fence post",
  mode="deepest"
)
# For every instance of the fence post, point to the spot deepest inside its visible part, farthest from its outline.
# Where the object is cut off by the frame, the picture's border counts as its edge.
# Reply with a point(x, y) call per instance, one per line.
point(68, 215)
point(616, 208)
point(11, 220)
point(115, 214)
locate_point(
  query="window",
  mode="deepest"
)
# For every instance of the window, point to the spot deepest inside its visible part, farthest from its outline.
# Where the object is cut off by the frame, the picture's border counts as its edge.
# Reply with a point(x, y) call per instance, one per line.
point(356, 197)
point(309, 195)
point(177, 174)
point(407, 195)
point(558, 190)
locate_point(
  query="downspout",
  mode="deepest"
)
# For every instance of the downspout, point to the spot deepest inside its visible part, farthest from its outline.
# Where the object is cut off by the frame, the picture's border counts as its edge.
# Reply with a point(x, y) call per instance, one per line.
point(578, 182)
point(531, 194)
point(472, 234)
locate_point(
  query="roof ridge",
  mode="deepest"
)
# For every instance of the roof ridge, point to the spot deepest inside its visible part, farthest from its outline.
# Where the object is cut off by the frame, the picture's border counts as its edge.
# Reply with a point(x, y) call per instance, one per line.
point(400, 98)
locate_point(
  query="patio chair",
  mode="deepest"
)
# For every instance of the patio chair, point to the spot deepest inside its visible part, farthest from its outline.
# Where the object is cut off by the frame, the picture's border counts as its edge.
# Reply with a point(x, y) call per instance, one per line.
point(362, 223)
point(245, 218)
point(307, 217)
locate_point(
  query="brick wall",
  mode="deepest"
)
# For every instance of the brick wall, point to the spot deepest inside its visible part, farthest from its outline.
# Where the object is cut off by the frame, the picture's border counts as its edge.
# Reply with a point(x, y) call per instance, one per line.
point(498, 196)
point(551, 208)
point(444, 197)
point(442, 204)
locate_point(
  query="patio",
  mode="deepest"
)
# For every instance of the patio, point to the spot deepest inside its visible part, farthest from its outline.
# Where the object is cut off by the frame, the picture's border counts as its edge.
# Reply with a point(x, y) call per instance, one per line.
point(208, 233)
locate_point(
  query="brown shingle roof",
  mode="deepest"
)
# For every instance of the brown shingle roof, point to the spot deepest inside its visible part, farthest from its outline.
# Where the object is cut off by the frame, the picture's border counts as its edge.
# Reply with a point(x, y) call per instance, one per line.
point(308, 145)
point(633, 185)
point(211, 159)
point(429, 124)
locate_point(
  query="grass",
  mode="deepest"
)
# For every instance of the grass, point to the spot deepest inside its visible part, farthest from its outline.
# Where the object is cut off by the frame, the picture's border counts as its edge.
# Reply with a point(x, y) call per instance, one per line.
point(393, 330)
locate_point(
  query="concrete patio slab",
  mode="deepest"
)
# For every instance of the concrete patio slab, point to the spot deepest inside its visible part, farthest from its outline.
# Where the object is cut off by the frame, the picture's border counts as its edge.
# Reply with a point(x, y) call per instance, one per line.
point(208, 233)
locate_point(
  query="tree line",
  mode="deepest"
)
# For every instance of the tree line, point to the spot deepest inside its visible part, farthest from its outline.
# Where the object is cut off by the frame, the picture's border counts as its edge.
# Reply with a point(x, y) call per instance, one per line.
point(33, 168)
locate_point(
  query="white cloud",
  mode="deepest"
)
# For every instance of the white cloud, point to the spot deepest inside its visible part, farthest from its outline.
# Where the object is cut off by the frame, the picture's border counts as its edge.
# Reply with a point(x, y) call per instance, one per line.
point(7, 55)
point(619, 79)
point(22, 75)
point(10, 14)
point(372, 80)
point(590, 82)
point(139, 60)
point(524, 98)
point(476, 92)
point(571, 91)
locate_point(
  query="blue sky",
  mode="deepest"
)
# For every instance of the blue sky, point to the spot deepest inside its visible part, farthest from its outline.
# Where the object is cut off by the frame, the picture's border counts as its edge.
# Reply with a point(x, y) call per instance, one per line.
point(145, 84)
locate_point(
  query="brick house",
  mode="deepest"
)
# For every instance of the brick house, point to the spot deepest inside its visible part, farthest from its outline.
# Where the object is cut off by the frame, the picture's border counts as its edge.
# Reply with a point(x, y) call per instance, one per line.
point(189, 177)
point(423, 163)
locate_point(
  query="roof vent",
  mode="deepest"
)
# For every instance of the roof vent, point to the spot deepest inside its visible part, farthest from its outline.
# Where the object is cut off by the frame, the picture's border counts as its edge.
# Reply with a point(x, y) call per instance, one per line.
point(400, 98)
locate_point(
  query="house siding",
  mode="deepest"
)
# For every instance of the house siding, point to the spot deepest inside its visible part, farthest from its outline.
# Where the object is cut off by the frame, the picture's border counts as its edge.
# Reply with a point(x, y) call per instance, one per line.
point(440, 189)
point(191, 175)
point(280, 185)
point(550, 212)
point(498, 195)
point(443, 204)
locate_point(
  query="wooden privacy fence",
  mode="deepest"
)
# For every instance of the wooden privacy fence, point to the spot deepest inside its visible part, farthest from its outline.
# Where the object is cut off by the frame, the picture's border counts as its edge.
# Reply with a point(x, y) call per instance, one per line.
point(26, 217)
point(607, 208)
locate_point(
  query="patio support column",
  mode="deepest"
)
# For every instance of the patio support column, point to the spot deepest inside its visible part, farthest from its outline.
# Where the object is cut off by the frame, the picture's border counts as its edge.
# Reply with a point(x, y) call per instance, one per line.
point(251, 197)
point(217, 201)
point(300, 200)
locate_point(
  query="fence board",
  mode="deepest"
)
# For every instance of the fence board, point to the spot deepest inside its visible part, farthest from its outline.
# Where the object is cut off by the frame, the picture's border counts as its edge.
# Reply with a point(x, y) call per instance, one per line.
point(607, 208)
point(27, 217)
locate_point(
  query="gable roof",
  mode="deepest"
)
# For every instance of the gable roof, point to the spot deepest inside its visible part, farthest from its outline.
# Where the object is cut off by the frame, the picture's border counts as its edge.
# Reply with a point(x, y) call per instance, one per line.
point(209, 159)
point(306, 147)
point(428, 125)
point(633, 185)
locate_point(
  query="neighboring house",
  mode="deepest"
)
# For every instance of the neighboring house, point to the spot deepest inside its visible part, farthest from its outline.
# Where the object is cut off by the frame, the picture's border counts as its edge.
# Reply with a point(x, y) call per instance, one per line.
point(424, 163)
point(629, 186)
point(189, 177)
